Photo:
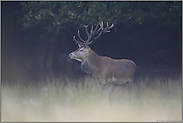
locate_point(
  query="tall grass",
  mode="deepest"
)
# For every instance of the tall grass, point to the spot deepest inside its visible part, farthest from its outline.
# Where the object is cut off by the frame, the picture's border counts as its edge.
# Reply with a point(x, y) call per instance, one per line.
point(57, 100)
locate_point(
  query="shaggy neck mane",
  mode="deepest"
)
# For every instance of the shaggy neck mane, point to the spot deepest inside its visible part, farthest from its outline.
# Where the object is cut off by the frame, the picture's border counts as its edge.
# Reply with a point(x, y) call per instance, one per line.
point(94, 60)
point(92, 64)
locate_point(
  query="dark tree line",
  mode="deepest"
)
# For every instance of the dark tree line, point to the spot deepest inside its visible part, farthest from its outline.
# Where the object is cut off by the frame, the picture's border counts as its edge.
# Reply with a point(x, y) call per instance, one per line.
point(59, 16)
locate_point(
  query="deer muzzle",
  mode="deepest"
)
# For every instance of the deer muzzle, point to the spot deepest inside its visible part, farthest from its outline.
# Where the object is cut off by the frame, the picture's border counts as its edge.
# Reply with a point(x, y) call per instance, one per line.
point(72, 56)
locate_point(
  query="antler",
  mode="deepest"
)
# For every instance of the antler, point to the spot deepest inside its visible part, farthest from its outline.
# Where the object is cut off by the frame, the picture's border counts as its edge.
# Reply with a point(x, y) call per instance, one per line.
point(99, 31)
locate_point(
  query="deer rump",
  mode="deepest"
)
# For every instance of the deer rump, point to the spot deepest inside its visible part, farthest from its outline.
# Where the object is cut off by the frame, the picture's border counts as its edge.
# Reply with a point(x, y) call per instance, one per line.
point(109, 71)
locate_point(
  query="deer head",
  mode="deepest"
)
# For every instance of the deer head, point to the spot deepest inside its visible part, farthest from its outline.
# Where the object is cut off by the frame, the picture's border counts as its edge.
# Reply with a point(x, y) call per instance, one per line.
point(82, 52)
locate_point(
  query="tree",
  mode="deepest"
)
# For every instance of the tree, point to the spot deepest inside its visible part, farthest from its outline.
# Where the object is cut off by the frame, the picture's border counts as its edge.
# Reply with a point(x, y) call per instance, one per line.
point(63, 16)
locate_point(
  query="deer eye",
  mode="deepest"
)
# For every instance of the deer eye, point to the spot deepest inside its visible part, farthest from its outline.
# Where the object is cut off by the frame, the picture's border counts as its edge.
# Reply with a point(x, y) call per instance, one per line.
point(81, 50)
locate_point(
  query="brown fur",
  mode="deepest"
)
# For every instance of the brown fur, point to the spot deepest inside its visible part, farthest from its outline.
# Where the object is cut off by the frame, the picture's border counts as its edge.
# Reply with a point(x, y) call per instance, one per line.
point(105, 68)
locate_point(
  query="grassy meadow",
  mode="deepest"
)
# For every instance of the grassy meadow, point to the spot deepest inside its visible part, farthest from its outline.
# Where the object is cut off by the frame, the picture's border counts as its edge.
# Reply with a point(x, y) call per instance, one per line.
point(60, 100)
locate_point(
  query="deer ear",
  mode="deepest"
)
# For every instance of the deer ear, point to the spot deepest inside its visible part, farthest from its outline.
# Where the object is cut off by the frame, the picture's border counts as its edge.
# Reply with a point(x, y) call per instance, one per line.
point(79, 45)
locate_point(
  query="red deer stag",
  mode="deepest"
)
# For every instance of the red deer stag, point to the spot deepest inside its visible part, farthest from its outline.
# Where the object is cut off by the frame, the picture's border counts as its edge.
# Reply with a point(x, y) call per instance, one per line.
point(106, 70)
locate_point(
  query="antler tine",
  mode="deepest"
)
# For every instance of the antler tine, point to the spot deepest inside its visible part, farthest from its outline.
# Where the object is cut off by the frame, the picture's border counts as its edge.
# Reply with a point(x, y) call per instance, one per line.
point(101, 28)
point(101, 31)
point(90, 35)
point(77, 42)
point(95, 28)
point(91, 29)
point(86, 29)
point(111, 26)
point(107, 28)
point(74, 38)
point(80, 37)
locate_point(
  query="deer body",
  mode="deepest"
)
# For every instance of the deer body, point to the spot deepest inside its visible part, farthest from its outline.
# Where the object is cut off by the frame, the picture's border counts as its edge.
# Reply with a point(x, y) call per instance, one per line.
point(106, 70)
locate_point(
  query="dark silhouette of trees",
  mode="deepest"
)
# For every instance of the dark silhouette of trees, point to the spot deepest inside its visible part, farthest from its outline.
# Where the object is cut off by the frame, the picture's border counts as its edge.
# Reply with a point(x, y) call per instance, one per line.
point(61, 16)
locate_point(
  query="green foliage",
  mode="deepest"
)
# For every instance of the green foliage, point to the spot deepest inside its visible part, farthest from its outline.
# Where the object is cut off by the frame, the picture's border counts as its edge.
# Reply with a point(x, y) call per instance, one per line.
point(63, 16)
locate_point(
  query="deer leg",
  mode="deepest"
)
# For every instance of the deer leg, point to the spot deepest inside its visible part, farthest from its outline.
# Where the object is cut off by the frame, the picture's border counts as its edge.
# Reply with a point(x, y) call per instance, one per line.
point(111, 88)
point(129, 93)
point(98, 85)
point(110, 92)
point(129, 88)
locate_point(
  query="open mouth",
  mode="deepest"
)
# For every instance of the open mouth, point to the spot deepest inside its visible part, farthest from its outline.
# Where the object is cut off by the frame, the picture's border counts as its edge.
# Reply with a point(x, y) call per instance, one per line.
point(73, 57)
